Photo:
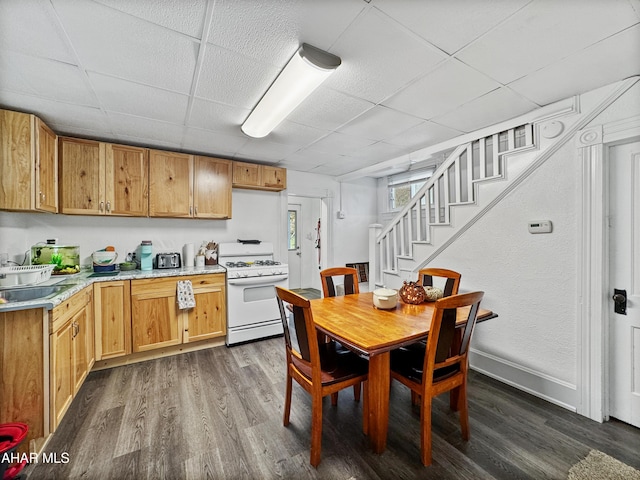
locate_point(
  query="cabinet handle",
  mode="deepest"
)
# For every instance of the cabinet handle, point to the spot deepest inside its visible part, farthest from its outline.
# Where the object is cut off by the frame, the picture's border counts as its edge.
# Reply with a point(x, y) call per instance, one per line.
point(101, 207)
point(196, 210)
point(190, 210)
point(108, 207)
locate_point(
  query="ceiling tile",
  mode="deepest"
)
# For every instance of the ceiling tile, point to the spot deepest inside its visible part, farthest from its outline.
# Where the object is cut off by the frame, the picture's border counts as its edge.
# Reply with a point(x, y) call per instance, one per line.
point(217, 117)
point(328, 109)
point(11, 79)
point(31, 28)
point(423, 135)
point(566, 78)
point(341, 144)
point(312, 155)
point(259, 149)
point(211, 143)
point(291, 133)
point(432, 20)
point(492, 108)
point(379, 151)
point(185, 16)
point(229, 78)
point(538, 36)
point(122, 96)
point(440, 91)
point(291, 23)
point(380, 123)
point(374, 44)
point(146, 129)
point(111, 42)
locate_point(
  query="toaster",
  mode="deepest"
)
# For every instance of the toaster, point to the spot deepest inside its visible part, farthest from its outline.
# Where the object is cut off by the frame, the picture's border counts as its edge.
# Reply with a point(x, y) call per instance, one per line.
point(168, 260)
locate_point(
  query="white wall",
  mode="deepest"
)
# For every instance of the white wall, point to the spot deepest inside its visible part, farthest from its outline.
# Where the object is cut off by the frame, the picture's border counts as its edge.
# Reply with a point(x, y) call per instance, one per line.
point(531, 280)
point(256, 214)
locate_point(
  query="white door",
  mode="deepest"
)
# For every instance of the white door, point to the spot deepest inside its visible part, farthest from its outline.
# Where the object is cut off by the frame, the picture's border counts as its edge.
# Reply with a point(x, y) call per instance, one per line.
point(624, 275)
point(293, 245)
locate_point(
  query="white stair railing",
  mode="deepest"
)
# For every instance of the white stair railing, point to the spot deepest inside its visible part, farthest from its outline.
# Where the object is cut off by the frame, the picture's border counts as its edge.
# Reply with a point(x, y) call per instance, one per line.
point(453, 183)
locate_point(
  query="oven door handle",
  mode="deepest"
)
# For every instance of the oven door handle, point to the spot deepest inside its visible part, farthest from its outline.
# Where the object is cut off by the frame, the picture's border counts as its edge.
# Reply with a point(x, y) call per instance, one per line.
point(266, 280)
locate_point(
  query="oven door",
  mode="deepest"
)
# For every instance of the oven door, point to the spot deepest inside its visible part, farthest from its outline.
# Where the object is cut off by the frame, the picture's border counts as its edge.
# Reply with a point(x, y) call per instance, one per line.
point(253, 300)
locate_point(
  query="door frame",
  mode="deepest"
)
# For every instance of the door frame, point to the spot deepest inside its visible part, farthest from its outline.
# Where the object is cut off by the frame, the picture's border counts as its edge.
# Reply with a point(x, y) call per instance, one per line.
point(326, 227)
point(593, 263)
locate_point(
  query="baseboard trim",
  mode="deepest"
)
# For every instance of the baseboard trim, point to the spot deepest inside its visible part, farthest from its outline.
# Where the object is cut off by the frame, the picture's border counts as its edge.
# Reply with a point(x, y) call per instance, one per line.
point(535, 383)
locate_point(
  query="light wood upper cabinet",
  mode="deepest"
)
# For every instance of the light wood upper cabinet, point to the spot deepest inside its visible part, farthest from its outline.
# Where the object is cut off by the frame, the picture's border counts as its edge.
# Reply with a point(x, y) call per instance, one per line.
point(28, 163)
point(170, 184)
point(127, 180)
point(182, 185)
point(112, 313)
point(102, 178)
point(259, 177)
point(212, 180)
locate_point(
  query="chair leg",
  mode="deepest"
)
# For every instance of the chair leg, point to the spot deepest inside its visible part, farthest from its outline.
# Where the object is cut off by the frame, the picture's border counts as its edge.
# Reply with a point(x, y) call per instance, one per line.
point(425, 436)
point(334, 399)
point(356, 392)
point(454, 399)
point(464, 411)
point(316, 429)
point(365, 409)
point(287, 401)
point(415, 398)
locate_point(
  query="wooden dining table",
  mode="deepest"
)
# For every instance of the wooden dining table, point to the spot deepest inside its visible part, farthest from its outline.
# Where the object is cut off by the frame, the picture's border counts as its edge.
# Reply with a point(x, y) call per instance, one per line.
point(356, 323)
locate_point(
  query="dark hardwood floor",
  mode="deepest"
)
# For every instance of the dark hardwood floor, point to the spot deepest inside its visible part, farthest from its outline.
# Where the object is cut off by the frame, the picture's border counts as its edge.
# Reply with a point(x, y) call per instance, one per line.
point(217, 414)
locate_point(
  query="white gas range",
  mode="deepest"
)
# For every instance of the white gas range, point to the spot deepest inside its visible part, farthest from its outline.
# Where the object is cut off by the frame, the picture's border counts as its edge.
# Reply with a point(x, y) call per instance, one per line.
point(252, 274)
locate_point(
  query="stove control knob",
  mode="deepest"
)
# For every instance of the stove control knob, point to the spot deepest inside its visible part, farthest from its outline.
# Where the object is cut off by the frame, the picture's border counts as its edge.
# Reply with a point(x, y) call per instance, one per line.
point(259, 273)
point(245, 274)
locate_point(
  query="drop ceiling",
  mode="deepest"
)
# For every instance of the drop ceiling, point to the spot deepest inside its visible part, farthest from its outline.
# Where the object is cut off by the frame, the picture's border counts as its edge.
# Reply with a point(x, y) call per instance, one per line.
point(184, 74)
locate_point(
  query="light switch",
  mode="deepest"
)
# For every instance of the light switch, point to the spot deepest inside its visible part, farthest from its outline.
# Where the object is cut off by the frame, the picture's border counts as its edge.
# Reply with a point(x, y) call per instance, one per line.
point(540, 226)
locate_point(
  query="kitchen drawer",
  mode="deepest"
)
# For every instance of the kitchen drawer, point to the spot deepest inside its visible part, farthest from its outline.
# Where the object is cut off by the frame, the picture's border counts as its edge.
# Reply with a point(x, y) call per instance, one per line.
point(67, 309)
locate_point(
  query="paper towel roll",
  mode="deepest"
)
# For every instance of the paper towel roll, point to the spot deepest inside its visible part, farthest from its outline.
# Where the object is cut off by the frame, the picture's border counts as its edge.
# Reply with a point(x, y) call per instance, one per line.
point(188, 255)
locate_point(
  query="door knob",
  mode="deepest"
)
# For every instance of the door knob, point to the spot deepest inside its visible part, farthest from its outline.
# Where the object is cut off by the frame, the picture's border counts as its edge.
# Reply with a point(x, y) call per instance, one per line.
point(619, 301)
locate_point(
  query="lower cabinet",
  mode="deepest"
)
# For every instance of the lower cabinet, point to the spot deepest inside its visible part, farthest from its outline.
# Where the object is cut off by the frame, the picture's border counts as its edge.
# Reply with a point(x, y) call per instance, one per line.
point(112, 310)
point(157, 321)
point(71, 344)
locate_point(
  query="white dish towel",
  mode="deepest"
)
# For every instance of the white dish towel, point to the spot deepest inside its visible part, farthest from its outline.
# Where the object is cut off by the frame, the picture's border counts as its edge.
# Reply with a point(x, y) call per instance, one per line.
point(185, 295)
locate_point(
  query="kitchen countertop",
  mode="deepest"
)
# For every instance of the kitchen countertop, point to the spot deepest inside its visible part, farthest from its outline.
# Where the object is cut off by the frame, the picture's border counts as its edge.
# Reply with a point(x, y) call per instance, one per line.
point(80, 280)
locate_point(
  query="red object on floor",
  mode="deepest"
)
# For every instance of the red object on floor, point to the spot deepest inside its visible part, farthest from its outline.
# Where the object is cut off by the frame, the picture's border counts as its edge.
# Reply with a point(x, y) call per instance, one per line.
point(11, 436)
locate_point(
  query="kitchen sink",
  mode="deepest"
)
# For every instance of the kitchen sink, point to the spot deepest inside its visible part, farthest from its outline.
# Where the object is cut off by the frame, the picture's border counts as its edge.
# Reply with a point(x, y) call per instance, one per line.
point(24, 294)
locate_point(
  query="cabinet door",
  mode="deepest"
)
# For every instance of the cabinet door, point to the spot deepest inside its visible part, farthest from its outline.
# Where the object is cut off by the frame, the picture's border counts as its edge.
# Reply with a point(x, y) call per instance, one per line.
point(246, 175)
point(82, 171)
point(155, 319)
point(208, 319)
point(212, 188)
point(170, 184)
point(62, 382)
point(16, 161)
point(112, 310)
point(83, 355)
point(274, 178)
point(127, 180)
point(46, 189)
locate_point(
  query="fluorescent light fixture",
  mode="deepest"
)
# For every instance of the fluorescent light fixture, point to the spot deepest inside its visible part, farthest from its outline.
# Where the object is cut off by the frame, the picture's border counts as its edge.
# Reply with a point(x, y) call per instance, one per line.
point(306, 70)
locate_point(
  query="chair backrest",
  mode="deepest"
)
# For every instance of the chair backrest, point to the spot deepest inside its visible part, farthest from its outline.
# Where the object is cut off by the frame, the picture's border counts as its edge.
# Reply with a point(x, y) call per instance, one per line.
point(452, 282)
point(305, 350)
point(350, 276)
point(443, 352)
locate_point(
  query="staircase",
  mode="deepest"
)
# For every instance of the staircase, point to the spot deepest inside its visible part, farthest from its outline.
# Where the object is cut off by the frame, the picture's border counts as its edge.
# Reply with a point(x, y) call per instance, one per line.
point(453, 185)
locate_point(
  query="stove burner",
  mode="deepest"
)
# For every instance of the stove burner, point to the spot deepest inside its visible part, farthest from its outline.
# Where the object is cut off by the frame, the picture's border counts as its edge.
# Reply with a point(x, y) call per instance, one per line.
point(266, 263)
point(257, 263)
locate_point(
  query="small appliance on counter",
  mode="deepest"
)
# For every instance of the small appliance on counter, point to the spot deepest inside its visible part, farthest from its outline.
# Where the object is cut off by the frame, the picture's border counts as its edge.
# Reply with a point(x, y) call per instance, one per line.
point(66, 258)
point(168, 260)
point(146, 255)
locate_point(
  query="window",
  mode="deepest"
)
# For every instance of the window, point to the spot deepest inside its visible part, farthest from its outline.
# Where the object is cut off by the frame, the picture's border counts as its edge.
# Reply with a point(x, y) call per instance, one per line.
point(404, 186)
point(293, 230)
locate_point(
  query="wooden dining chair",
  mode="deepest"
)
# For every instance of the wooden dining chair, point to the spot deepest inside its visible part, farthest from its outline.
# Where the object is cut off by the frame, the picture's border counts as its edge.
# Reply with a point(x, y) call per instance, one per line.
point(452, 279)
point(350, 280)
point(315, 366)
point(329, 279)
point(443, 366)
